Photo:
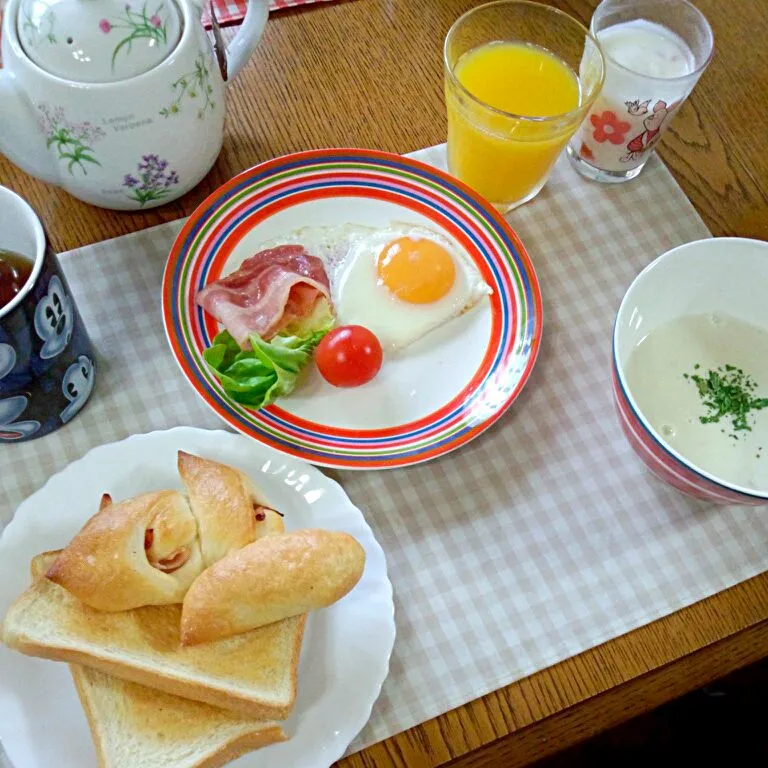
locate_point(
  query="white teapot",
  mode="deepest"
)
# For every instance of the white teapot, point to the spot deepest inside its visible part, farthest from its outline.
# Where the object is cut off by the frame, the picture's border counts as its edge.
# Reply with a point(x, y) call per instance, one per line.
point(120, 102)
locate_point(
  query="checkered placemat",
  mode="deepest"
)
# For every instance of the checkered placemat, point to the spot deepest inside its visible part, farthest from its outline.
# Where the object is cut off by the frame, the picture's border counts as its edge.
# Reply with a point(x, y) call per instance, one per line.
point(233, 11)
point(543, 537)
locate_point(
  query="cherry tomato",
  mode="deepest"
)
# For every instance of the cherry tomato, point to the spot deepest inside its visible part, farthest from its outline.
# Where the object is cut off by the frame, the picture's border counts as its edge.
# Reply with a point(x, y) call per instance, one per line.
point(348, 356)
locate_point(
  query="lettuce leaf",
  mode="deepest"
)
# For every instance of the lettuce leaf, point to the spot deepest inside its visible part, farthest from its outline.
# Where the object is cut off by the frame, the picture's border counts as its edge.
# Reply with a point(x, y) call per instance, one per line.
point(270, 369)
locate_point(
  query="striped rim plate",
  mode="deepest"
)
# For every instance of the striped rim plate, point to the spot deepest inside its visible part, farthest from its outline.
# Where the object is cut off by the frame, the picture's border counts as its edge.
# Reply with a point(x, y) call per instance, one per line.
point(353, 179)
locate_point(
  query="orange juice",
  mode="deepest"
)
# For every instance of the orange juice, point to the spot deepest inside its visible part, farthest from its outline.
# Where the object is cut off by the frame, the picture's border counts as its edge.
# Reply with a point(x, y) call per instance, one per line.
point(504, 156)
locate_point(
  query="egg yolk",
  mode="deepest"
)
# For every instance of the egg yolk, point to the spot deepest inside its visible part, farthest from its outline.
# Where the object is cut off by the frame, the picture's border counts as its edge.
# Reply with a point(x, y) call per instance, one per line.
point(416, 270)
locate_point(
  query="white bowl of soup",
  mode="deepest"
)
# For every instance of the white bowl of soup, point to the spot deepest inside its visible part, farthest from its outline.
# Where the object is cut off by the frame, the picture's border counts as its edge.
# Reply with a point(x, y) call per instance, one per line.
point(690, 369)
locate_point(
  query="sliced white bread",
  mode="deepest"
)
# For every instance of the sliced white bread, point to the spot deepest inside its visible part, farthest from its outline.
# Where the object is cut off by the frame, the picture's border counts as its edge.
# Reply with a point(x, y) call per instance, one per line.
point(254, 674)
point(134, 726)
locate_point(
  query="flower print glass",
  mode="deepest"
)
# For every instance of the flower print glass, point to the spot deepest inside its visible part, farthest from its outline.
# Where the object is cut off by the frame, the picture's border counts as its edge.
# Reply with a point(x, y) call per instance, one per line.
point(608, 127)
point(655, 52)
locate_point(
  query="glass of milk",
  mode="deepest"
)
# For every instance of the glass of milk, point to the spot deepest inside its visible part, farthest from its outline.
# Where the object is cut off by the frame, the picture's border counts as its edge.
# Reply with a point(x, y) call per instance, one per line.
point(655, 51)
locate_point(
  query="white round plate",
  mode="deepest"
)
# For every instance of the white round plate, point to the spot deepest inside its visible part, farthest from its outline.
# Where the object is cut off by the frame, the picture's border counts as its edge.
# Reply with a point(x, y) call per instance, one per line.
point(431, 398)
point(346, 650)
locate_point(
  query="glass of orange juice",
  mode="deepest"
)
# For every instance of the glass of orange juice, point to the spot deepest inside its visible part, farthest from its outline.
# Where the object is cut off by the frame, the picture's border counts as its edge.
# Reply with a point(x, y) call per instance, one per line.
point(519, 79)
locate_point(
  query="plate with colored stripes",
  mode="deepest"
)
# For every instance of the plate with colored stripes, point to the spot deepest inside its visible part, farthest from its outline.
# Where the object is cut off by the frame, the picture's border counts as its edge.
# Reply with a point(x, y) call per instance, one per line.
point(429, 398)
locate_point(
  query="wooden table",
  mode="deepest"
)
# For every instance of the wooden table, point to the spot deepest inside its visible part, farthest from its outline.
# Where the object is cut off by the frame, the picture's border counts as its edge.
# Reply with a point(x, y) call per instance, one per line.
point(368, 73)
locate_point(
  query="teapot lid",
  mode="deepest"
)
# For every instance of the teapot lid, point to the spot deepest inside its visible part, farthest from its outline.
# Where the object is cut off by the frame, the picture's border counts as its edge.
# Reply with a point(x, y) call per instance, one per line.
point(98, 41)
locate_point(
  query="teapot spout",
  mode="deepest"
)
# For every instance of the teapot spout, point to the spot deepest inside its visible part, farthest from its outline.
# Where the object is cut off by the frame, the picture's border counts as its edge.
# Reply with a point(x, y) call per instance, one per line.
point(20, 140)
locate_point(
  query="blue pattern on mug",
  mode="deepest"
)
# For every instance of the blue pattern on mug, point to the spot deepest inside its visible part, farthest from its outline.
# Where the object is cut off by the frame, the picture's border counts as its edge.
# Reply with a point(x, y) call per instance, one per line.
point(7, 359)
point(12, 407)
point(47, 370)
point(54, 319)
point(77, 385)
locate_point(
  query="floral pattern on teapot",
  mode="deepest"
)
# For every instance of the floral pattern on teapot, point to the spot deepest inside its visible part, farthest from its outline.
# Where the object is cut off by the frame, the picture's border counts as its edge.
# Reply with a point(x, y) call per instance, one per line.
point(72, 140)
point(194, 86)
point(154, 180)
point(138, 25)
point(35, 34)
point(129, 99)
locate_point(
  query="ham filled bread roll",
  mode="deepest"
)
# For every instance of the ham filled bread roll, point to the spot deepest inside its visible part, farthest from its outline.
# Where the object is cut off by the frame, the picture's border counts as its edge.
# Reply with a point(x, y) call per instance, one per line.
point(222, 502)
point(272, 579)
point(143, 551)
point(230, 510)
point(149, 549)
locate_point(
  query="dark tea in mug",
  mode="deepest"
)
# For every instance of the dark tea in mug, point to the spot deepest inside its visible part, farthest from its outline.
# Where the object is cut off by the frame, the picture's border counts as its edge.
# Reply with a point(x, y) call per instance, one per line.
point(14, 273)
point(47, 369)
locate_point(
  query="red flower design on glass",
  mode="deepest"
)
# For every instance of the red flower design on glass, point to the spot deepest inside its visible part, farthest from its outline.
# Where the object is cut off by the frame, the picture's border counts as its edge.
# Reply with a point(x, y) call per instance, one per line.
point(155, 21)
point(608, 127)
point(105, 26)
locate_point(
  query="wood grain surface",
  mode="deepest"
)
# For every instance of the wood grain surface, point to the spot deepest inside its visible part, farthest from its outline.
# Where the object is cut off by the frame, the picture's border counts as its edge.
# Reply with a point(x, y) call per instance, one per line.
point(368, 73)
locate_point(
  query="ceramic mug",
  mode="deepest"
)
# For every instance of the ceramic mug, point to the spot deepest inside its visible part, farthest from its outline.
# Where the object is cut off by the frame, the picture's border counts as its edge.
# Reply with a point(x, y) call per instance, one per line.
point(46, 362)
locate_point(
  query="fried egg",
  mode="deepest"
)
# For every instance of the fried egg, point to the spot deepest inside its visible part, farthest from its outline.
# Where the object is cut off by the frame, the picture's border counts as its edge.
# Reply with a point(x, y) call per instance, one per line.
point(400, 281)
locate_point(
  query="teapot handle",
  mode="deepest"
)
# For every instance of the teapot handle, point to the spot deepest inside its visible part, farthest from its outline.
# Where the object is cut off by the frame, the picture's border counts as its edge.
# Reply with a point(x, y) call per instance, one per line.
point(247, 38)
point(20, 141)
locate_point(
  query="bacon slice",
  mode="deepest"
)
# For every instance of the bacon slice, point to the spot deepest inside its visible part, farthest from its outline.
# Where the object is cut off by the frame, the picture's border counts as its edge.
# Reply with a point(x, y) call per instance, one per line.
point(270, 290)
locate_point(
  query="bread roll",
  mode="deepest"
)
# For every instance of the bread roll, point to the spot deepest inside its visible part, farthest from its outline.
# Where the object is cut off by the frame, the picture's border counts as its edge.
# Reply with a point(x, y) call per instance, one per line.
point(148, 550)
point(268, 520)
point(274, 578)
point(222, 501)
point(142, 551)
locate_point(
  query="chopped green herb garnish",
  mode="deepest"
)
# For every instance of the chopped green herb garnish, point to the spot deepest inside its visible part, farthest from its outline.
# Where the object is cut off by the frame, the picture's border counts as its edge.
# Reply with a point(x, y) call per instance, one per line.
point(726, 393)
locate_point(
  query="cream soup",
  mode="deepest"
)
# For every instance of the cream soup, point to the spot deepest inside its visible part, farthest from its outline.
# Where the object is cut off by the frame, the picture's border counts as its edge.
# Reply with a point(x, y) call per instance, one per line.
point(662, 373)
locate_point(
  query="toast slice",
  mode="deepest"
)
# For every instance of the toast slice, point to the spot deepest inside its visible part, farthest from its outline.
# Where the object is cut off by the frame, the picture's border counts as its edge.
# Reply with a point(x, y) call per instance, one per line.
point(254, 674)
point(134, 726)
